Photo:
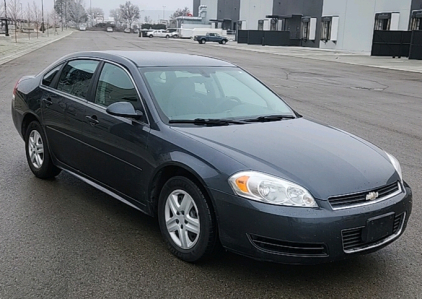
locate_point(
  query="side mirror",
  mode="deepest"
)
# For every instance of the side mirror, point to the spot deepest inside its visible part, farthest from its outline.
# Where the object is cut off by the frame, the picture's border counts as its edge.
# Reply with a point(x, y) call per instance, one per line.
point(123, 109)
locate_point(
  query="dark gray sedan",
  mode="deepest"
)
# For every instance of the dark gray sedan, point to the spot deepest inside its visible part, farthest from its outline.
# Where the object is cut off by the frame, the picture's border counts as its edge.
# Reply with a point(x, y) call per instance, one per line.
point(213, 153)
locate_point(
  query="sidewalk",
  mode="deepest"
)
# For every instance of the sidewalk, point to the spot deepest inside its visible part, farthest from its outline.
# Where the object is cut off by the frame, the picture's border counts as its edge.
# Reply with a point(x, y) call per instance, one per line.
point(10, 50)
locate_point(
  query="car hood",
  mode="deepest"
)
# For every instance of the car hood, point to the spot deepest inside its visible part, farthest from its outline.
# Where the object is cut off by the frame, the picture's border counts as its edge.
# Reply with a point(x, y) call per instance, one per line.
point(324, 160)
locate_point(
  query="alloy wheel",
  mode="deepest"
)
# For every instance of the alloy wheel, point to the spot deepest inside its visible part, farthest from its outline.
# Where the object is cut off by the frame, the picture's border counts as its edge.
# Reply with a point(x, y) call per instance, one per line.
point(182, 219)
point(36, 149)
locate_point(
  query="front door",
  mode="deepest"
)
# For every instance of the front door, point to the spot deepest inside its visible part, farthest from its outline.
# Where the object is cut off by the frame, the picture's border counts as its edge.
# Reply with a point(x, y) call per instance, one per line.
point(116, 145)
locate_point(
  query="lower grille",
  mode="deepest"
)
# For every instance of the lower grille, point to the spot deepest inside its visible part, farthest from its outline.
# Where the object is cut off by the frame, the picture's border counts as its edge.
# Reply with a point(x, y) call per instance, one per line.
point(352, 238)
point(288, 248)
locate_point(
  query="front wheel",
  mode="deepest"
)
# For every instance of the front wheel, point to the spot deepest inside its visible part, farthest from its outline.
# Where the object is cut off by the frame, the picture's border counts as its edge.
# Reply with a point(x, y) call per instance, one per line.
point(203, 41)
point(37, 153)
point(186, 220)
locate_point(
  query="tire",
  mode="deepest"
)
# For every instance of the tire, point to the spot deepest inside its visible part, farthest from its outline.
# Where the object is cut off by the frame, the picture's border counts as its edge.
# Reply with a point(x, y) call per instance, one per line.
point(203, 41)
point(37, 153)
point(186, 221)
point(167, 36)
point(223, 42)
point(151, 36)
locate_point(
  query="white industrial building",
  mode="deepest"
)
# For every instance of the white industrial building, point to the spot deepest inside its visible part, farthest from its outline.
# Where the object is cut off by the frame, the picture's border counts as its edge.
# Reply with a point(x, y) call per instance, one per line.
point(329, 24)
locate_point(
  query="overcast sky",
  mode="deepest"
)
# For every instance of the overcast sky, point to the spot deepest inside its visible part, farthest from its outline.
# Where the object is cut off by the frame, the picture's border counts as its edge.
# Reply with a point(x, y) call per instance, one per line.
point(107, 5)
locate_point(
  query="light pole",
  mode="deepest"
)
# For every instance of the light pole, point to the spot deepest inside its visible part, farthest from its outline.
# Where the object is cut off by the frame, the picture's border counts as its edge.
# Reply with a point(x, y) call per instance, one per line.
point(42, 16)
point(164, 8)
point(5, 16)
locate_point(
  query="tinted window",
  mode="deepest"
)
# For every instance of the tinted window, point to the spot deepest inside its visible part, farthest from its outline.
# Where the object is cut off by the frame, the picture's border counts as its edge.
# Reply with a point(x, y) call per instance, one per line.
point(115, 85)
point(76, 77)
point(49, 77)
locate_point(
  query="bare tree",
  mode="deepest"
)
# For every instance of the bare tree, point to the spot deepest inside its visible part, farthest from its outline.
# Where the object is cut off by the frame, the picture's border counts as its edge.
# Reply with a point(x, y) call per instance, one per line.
point(36, 13)
point(178, 13)
point(28, 15)
point(77, 12)
point(129, 13)
point(94, 13)
point(13, 12)
point(116, 14)
point(147, 20)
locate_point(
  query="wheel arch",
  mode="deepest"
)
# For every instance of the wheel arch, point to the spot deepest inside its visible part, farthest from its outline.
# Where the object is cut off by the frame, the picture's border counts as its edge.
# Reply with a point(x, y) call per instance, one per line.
point(167, 171)
point(27, 119)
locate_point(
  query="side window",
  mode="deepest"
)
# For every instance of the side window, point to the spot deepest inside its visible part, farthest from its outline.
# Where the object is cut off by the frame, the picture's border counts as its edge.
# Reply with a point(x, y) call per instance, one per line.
point(114, 86)
point(49, 77)
point(76, 77)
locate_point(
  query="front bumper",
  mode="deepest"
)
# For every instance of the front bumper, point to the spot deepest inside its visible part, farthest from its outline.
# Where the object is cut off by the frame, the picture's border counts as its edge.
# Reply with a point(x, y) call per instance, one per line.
point(304, 235)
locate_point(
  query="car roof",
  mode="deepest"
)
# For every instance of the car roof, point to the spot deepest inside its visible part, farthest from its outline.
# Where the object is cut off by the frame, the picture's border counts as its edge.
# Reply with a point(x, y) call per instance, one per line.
point(151, 59)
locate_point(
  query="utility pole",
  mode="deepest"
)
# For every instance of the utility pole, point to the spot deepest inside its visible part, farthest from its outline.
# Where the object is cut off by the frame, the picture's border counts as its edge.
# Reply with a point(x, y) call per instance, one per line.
point(164, 9)
point(90, 12)
point(5, 16)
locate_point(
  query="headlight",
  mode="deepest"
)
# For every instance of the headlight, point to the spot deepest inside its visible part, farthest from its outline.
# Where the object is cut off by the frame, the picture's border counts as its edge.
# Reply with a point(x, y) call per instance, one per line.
point(265, 188)
point(396, 165)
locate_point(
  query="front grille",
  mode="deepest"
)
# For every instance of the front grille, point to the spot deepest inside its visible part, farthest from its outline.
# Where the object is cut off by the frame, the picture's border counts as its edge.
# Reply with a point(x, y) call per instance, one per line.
point(352, 238)
point(345, 201)
point(288, 248)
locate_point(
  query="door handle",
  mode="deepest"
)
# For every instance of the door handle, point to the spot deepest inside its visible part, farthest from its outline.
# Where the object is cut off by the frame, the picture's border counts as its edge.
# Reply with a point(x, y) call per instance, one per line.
point(48, 102)
point(92, 120)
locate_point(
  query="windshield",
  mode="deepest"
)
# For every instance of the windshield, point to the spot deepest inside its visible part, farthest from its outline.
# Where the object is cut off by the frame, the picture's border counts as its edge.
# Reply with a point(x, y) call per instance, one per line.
point(186, 93)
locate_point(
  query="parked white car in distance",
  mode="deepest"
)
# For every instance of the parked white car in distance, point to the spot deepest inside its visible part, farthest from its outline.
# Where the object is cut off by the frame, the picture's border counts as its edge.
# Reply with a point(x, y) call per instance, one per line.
point(161, 33)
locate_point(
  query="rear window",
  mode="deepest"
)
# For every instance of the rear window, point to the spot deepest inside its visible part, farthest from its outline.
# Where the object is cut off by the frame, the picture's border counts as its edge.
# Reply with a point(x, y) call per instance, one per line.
point(76, 77)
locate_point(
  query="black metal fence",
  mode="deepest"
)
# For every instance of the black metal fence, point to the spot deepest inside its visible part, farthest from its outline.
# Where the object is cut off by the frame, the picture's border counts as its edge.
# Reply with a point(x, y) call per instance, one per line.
point(265, 38)
point(416, 46)
point(397, 44)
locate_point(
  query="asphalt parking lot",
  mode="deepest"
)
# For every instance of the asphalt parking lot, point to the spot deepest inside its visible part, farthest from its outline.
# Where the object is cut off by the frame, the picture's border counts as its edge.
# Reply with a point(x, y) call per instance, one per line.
point(64, 239)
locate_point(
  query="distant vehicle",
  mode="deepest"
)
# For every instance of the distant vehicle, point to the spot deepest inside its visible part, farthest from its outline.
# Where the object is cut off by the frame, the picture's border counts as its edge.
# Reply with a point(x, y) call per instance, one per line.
point(127, 30)
point(211, 37)
point(82, 28)
point(109, 29)
point(161, 33)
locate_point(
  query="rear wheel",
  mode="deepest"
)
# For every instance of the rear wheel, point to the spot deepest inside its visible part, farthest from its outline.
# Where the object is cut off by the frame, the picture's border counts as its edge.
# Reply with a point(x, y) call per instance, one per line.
point(37, 152)
point(186, 220)
point(151, 36)
point(203, 41)
point(224, 41)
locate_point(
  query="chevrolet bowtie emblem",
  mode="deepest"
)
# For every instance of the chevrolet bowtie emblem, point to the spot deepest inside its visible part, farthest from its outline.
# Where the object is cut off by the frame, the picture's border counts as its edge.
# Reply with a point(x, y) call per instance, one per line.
point(372, 196)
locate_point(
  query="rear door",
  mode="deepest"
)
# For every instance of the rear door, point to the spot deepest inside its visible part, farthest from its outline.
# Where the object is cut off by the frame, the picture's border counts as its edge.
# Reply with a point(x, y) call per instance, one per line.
point(63, 107)
point(116, 146)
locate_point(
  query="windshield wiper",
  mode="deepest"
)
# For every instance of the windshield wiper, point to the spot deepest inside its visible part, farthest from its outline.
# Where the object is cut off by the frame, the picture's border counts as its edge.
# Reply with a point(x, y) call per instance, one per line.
point(207, 122)
point(268, 118)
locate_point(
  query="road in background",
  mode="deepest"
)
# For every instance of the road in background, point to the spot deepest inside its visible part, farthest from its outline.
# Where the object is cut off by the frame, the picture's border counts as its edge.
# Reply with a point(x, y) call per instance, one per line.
point(64, 239)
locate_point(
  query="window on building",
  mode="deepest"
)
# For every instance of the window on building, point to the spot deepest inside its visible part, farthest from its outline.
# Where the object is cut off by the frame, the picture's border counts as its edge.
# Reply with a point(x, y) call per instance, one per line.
point(326, 28)
point(309, 28)
point(260, 24)
point(305, 28)
point(382, 21)
point(416, 20)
